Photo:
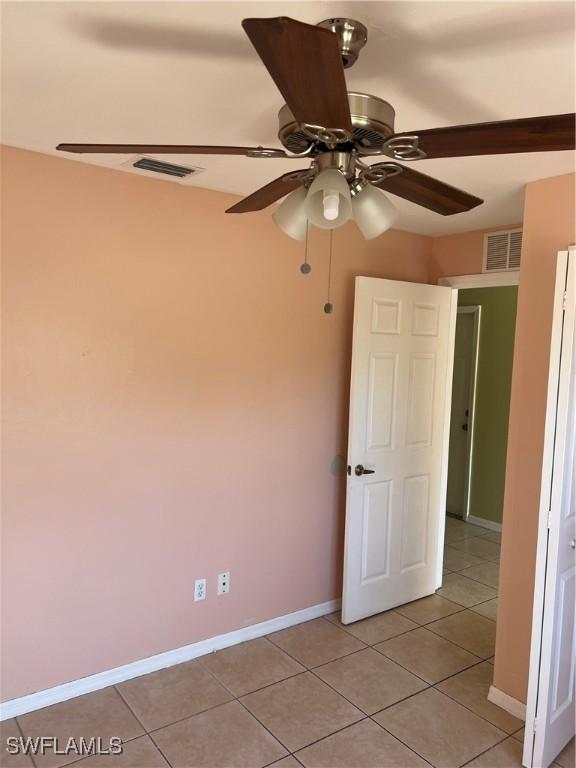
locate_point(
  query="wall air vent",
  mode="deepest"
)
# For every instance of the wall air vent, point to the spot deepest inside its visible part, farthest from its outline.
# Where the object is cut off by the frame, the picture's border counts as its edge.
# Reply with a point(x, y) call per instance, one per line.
point(502, 250)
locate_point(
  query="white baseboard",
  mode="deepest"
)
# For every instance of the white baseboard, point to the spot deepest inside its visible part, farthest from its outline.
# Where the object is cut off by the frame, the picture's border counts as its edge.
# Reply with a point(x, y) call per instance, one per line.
point(492, 526)
point(70, 690)
point(504, 701)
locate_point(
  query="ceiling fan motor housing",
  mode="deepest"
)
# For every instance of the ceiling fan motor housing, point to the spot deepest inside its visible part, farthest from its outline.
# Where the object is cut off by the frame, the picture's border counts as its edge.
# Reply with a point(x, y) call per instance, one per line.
point(372, 125)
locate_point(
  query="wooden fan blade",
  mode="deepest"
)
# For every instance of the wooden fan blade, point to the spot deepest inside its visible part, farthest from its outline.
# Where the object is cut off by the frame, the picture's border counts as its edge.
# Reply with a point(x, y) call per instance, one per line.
point(170, 149)
point(428, 192)
point(305, 63)
point(268, 194)
point(529, 134)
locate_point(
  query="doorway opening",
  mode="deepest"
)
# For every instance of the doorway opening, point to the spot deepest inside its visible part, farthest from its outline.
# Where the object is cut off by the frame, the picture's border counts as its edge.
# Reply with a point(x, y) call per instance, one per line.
point(482, 377)
point(462, 416)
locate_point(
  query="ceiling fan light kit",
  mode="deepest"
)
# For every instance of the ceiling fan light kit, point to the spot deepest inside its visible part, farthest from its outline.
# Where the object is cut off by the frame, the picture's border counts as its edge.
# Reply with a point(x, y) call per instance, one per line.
point(372, 211)
point(339, 130)
point(291, 216)
point(328, 202)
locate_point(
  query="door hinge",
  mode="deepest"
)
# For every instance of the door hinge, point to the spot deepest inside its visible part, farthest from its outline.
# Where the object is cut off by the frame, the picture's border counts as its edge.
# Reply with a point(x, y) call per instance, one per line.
point(535, 725)
point(564, 300)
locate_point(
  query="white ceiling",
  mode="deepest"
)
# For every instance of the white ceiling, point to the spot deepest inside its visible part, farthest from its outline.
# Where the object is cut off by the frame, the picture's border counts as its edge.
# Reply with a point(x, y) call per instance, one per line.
point(184, 72)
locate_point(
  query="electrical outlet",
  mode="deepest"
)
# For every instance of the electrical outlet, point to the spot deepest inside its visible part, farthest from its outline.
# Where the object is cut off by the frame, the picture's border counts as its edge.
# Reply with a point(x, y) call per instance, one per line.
point(199, 589)
point(224, 583)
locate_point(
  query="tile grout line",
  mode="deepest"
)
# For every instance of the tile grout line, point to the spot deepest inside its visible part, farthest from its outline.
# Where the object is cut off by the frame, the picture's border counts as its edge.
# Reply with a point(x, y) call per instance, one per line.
point(83, 757)
point(351, 653)
point(19, 727)
point(371, 715)
point(496, 743)
point(426, 626)
point(237, 698)
point(311, 671)
point(368, 717)
point(397, 613)
point(431, 685)
point(402, 742)
point(328, 735)
point(471, 554)
point(471, 578)
point(509, 736)
point(255, 690)
point(142, 725)
point(474, 565)
point(478, 655)
point(421, 626)
point(473, 712)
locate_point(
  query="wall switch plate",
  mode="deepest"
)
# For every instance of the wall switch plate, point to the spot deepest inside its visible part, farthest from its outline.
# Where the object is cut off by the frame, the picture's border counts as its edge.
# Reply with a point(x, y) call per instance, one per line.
point(199, 589)
point(224, 583)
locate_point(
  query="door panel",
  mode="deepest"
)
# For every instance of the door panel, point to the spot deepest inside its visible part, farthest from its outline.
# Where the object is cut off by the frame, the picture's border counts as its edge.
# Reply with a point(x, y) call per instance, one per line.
point(420, 400)
point(401, 369)
point(382, 397)
point(376, 531)
point(415, 522)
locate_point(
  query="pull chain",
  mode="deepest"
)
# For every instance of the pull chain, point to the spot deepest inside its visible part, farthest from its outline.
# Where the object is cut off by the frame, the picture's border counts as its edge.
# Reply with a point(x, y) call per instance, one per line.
point(328, 306)
point(306, 268)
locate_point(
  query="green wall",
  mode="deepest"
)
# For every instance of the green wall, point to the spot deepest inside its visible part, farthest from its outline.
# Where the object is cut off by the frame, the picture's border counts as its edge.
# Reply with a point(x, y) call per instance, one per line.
point(497, 324)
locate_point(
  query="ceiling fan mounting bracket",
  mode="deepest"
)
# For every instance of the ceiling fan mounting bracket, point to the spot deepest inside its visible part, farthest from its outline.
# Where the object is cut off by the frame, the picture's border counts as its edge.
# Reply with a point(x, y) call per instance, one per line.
point(263, 152)
point(380, 171)
point(329, 136)
point(352, 37)
point(403, 148)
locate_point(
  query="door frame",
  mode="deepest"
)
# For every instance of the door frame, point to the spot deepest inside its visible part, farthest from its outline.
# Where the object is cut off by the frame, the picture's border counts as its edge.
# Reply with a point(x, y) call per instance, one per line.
point(556, 414)
point(476, 310)
point(483, 280)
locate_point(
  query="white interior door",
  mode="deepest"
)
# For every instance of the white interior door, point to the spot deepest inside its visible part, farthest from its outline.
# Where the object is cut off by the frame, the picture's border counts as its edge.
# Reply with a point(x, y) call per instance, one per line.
point(400, 392)
point(550, 711)
point(462, 416)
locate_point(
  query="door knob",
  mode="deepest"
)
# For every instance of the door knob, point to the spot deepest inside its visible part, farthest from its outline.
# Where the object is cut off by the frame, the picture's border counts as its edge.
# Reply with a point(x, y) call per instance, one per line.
point(573, 544)
point(359, 470)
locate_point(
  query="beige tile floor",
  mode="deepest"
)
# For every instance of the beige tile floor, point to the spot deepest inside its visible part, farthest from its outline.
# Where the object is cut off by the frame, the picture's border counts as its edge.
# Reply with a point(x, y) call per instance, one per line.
point(404, 689)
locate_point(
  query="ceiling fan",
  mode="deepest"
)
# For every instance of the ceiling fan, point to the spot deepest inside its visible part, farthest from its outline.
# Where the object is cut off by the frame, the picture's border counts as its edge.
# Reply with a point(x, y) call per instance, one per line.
point(336, 131)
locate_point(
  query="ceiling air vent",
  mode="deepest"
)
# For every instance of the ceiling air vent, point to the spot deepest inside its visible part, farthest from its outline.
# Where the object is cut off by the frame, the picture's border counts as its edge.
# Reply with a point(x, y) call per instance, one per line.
point(502, 250)
point(160, 169)
point(158, 166)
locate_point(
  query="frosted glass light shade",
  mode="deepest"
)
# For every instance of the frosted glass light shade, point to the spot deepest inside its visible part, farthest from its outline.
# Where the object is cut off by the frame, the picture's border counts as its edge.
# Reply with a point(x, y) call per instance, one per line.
point(329, 182)
point(373, 212)
point(290, 215)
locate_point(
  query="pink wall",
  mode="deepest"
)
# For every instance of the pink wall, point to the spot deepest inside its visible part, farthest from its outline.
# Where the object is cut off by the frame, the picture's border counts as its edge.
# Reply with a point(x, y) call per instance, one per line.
point(174, 398)
point(549, 226)
point(460, 254)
